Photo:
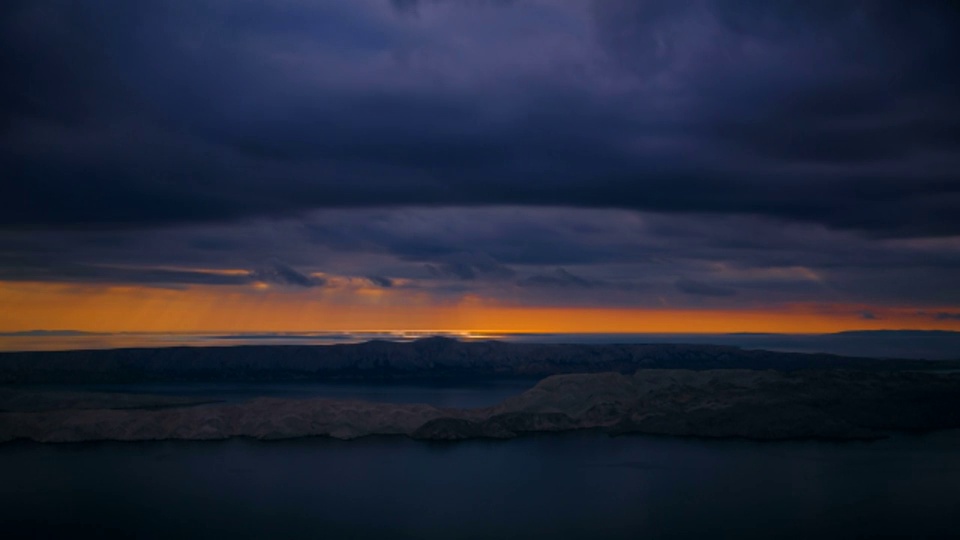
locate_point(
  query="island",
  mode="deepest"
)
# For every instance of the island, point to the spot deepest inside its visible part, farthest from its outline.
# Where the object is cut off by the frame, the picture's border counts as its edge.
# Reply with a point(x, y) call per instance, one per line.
point(434, 358)
point(836, 404)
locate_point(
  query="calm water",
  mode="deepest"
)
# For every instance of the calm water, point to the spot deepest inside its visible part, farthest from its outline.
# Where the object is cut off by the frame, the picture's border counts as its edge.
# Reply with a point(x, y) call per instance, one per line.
point(561, 486)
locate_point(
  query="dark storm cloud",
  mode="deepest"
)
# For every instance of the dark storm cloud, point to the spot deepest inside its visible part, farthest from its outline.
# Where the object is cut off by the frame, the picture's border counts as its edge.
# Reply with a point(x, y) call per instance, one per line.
point(469, 266)
point(405, 6)
point(697, 288)
point(412, 7)
point(713, 152)
point(467, 237)
point(127, 114)
point(128, 275)
point(514, 253)
point(282, 274)
point(380, 281)
point(67, 269)
point(560, 278)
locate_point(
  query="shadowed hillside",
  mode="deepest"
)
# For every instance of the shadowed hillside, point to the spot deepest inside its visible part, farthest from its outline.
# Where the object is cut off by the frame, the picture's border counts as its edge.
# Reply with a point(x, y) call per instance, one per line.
point(834, 404)
point(430, 358)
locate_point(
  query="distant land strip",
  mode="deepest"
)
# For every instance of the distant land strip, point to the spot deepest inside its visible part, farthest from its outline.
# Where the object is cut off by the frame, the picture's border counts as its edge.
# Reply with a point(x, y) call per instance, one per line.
point(428, 358)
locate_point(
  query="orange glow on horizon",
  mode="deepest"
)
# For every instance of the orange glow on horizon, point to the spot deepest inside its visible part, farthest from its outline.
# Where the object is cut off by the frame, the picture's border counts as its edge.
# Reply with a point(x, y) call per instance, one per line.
point(109, 308)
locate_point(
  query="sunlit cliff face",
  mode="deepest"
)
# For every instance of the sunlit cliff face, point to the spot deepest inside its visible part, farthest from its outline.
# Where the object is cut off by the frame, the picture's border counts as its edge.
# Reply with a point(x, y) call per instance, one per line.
point(568, 166)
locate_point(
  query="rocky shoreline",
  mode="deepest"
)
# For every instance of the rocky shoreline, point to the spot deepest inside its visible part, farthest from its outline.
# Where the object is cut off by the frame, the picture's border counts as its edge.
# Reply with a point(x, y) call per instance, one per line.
point(763, 405)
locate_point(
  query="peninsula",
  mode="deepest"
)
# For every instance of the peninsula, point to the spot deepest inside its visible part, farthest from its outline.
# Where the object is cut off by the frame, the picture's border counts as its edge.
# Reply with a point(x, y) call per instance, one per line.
point(756, 404)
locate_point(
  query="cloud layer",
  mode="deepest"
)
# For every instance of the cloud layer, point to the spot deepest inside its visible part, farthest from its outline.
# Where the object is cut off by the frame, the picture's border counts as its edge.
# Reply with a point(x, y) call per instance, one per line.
point(843, 114)
point(701, 153)
point(514, 255)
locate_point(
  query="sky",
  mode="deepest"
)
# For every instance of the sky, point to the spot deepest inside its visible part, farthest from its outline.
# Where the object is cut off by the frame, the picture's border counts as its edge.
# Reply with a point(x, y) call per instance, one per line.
point(479, 165)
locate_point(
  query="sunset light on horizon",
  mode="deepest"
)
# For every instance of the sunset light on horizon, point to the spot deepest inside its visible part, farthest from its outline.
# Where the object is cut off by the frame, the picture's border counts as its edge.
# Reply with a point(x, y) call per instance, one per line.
point(257, 308)
point(528, 166)
point(442, 269)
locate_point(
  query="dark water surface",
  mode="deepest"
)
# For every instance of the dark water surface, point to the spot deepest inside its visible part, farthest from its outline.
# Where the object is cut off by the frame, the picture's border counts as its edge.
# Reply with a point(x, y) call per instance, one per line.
point(582, 485)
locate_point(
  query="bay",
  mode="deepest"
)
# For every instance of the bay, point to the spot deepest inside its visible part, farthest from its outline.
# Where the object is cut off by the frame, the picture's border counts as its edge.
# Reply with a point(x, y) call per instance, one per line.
point(579, 485)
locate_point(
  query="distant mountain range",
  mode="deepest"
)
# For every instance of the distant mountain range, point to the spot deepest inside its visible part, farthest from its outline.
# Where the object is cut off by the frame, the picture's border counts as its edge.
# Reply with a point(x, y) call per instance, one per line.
point(429, 358)
point(901, 344)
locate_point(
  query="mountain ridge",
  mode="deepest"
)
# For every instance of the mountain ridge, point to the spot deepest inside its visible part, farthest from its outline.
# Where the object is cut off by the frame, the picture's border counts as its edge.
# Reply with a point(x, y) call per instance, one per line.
point(753, 404)
point(428, 358)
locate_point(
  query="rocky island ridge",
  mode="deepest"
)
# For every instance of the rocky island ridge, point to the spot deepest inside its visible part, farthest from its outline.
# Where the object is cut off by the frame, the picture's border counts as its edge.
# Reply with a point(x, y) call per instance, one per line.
point(754, 404)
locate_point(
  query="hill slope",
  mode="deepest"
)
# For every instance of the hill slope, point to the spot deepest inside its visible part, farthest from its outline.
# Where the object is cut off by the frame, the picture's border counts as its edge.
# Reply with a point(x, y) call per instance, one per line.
point(426, 358)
